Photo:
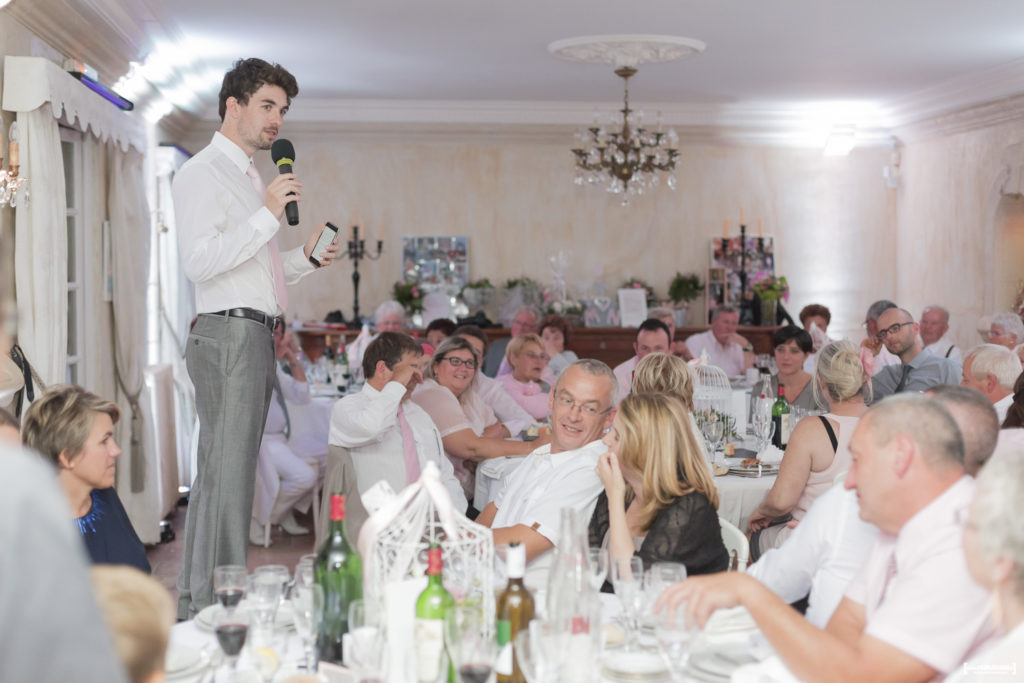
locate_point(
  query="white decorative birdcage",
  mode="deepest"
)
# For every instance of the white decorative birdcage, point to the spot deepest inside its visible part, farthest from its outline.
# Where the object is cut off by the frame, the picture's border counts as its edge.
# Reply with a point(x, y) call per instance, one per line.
point(399, 534)
point(712, 397)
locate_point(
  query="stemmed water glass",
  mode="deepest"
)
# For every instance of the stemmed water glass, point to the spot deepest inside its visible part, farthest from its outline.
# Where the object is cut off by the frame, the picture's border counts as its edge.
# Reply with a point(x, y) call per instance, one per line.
point(308, 607)
point(714, 432)
point(265, 591)
point(673, 635)
point(627, 575)
point(598, 567)
point(229, 584)
point(366, 651)
point(764, 429)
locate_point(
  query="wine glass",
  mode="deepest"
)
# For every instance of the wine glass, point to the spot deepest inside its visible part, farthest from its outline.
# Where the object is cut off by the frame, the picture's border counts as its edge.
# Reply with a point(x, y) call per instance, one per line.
point(764, 429)
point(714, 431)
point(308, 606)
point(598, 566)
point(305, 562)
point(471, 644)
point(232, 627)
point(229, 584)
point(660, 576)
point(268, 647)
point(538, 651)
point(366, 651)
point(627, 574)
point(673, 635)
point(265, 590)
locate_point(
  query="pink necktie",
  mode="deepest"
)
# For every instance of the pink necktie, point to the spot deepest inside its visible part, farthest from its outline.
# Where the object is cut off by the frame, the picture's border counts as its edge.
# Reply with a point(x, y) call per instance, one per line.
point(412, 463)
point(276, 265)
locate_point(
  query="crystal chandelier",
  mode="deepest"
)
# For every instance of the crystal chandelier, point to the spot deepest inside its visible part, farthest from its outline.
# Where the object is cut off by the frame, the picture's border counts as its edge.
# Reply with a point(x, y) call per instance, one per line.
point(628, 159)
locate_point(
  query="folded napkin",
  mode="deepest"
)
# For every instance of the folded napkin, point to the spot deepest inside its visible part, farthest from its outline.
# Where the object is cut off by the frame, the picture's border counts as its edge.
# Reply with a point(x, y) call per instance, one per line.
point(770, 455)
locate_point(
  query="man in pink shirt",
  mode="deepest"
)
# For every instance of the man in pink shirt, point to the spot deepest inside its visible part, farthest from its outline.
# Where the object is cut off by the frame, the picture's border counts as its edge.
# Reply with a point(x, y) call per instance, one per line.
point(912, 612)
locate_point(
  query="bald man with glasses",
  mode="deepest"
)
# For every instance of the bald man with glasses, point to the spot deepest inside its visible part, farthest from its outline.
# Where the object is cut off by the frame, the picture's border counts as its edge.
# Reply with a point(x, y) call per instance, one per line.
point(918, 369)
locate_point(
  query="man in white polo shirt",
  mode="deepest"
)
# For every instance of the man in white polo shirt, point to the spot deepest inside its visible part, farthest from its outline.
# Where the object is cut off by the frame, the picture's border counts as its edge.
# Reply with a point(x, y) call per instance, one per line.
point(913, 612)
point(561, 474)
point(724, 347)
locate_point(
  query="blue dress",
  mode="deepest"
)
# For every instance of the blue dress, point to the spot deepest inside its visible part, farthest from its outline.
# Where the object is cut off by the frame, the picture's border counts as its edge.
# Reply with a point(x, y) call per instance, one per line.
point(108, 534)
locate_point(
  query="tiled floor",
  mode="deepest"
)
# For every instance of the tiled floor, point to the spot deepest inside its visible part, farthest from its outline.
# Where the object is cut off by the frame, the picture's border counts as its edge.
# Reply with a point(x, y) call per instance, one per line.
point(165, 559)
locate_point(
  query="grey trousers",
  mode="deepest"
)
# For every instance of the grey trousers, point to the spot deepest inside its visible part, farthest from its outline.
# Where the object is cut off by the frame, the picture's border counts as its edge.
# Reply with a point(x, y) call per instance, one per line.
point(231, 363)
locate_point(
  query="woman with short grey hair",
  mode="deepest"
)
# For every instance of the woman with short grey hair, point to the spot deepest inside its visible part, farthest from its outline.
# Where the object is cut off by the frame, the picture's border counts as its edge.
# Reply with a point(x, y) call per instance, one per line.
point(994, 548)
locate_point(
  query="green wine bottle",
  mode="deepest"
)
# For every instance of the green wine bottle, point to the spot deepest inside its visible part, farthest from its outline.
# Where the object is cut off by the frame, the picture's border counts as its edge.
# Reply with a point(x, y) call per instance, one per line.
point(431, 607)
point(339, 573)
point(515, 610)
point(780, 416)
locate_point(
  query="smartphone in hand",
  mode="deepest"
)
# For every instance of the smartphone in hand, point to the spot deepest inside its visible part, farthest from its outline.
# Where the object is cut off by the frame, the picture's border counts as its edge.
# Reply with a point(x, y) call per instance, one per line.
point(326, 237)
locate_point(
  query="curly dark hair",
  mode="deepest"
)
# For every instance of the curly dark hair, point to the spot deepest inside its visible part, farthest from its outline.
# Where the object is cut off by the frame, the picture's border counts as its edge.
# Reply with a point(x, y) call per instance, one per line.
point(249, 75)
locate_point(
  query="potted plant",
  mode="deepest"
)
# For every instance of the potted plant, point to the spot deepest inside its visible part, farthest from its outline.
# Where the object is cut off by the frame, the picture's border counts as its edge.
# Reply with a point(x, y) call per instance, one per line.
point(682, 290)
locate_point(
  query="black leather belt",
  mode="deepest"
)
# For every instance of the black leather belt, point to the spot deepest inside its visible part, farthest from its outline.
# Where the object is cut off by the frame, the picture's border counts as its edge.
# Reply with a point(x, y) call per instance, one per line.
point(252, 314)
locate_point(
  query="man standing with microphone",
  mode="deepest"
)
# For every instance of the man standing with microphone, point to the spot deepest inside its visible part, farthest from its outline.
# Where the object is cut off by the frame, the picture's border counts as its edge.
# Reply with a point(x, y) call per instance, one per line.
point(227, 236)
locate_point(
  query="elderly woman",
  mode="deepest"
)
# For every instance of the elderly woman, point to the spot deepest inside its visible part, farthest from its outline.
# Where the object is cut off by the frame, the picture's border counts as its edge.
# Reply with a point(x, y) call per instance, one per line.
point(793, 346)
point(469, 430)
point(525, 355)
point(554, 331)
point(390, 317)
point(659, 501)
point(74, 430)
point(994, 549)
point(818, 448)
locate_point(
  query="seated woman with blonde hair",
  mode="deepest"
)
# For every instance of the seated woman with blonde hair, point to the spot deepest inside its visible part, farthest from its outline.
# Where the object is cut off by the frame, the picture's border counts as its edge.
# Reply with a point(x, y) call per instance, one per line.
point(661, 373)
point(526, 357)
point(74, 430)
point(139, 613)
point(818, 449)
point(659, 500)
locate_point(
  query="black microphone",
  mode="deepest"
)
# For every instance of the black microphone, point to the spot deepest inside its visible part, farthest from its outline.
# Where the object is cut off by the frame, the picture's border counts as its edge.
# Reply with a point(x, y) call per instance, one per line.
point(283, 154)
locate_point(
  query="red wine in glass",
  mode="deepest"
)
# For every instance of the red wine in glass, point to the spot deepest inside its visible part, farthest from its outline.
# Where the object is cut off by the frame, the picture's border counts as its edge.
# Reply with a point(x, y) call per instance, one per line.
point(474, 673)
point(230, 597)
point(231, 638)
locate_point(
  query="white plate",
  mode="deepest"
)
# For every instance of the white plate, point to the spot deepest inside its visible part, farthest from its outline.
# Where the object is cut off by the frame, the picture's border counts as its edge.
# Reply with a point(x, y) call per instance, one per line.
point(719, 661)
point(207, 617)
point(635, 666)
point(730, 621)
point(190, 672)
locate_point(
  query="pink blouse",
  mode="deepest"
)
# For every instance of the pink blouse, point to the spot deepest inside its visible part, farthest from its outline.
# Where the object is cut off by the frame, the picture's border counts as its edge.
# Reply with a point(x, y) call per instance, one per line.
point(529, 395)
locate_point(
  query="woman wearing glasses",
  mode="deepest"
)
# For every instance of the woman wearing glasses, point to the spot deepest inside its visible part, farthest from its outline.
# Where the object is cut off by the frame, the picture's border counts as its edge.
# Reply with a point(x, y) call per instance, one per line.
point(659, 500)
point(526, 357)
point(469, 430)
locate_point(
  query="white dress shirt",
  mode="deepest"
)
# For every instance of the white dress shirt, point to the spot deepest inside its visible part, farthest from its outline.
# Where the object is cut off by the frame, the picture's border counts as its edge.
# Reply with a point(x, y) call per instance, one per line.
point(624, 377)
point(821, 556)
point(366, 423)
point(729, 356)
point(223, 231)
point(1002, 406)
point(294, 392)
point(535, 493)
point(943, 347)
point(916, 591)
point(1002, 661)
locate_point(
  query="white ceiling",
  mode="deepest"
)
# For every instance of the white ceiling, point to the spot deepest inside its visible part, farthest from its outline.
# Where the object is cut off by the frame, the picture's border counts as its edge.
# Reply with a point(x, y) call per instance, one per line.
point(880, 63)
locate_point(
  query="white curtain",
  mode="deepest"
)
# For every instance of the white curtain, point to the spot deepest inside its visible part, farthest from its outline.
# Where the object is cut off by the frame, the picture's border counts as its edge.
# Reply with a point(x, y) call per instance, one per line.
point(41, 247)
point(130, 235)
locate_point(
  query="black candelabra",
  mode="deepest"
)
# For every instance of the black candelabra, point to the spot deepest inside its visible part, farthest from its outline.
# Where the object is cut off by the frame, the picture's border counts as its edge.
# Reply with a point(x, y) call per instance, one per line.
point(356, 253)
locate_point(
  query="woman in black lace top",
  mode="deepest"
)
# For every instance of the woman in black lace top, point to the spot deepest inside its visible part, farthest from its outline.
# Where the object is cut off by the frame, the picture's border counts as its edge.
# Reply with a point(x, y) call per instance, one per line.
point(659, 502)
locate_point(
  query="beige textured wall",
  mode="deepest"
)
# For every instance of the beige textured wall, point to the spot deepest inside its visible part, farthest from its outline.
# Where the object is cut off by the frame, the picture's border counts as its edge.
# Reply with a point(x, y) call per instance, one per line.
point(514, 197)
point(949, 209)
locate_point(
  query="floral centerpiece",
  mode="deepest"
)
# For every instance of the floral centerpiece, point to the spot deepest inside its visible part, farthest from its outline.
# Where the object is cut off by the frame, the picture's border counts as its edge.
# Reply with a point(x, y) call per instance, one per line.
point(771, 288)
point(482, 283)
point(524, 282)
point(409, 294)
point(477, 294)
point(637, 283)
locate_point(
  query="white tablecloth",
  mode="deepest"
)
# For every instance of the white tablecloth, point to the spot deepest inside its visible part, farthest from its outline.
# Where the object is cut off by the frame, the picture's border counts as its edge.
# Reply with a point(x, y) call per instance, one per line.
point(738, 497)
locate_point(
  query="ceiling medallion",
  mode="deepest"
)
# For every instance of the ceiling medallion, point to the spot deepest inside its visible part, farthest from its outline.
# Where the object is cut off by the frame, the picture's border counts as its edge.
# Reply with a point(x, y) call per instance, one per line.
point(627, 159)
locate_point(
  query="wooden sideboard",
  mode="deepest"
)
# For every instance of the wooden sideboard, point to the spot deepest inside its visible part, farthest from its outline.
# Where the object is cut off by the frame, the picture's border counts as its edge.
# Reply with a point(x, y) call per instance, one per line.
point(609, 344)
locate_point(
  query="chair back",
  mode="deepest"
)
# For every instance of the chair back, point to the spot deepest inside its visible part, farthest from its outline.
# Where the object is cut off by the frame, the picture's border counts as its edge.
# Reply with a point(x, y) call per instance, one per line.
point(340, 475)
point(736, 544)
